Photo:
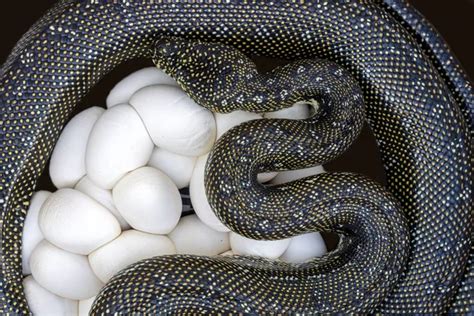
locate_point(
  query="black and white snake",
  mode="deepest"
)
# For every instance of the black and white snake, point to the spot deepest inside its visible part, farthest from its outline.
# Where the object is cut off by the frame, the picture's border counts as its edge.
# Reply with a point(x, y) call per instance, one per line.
point(407, 251)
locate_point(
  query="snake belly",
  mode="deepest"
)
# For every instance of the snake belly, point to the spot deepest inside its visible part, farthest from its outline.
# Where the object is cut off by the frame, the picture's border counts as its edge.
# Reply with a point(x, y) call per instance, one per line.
point(420, 129)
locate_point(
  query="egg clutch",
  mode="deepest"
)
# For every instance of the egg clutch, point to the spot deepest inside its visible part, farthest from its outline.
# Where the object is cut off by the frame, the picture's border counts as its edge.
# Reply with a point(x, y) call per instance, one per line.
point(122, 173)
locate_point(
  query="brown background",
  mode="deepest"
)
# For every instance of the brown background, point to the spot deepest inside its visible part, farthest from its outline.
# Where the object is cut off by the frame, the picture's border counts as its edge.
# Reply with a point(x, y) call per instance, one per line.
point(453, 19)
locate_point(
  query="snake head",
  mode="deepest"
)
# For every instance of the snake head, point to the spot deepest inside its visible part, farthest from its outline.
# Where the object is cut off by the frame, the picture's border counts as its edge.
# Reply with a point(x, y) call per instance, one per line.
point(200, 68)
point(167, 54)
point(178, 57)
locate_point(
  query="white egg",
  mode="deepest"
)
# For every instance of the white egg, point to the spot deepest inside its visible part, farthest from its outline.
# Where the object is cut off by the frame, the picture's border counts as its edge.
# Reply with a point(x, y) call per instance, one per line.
point(304, 247)
point(266, 176)
point(130, 247)
point(63, 273)
point(175, 122)
point(192, 236)
point(32, 234)
point(291, 175)
point(198, 196)
point(225, 121)
point(148, 200)
point(299, 111)
point(44, 303)
point(118, 143)
point(75, 222)
point(148, 76)
point(85, 306)
point(67, 164)
point(103, 196)
point(270, 249)
point(178, 167)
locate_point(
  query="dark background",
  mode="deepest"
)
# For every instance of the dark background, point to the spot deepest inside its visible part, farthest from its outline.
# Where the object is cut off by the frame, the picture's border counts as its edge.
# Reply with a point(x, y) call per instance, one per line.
point(453, 19)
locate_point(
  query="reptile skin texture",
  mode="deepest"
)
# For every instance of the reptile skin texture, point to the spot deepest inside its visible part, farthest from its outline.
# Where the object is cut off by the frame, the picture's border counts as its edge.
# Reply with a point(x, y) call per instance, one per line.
point(418, 103)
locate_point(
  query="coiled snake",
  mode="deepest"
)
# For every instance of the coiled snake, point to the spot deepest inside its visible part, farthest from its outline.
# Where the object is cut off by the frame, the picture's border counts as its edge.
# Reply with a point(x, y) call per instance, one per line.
point(407, 251)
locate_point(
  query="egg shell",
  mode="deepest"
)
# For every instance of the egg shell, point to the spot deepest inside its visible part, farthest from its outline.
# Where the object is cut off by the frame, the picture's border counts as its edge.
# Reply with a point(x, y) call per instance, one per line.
point(32, 234)
point(225, 121)
point(175, 122)
point(124, 89)
point(298, 111)
point(192, 236)
point(270, 249)
point(118, 143)
point(292, 175)
point(44, 303)
point(304, 247)
point(103, 196)
point(63, 273)
point(85, 306)
point(148, 200)
point(178, 167)
point(130, 247)
point(75, 222)
point(67, 165)
point(198, 196)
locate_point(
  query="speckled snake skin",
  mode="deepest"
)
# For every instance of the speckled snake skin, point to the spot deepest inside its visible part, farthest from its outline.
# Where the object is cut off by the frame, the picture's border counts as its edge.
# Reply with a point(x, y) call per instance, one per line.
point(419, 105)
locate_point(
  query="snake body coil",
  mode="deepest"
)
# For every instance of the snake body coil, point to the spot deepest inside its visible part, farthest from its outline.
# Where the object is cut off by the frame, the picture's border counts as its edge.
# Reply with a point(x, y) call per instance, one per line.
point(422, 131)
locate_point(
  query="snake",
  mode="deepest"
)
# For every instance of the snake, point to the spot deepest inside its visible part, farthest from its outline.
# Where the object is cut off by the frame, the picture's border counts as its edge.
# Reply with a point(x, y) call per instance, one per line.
point(405, 248)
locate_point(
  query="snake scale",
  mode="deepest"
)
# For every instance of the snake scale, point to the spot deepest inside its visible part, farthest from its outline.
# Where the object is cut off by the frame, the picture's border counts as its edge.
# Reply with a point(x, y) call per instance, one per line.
point(404, 249)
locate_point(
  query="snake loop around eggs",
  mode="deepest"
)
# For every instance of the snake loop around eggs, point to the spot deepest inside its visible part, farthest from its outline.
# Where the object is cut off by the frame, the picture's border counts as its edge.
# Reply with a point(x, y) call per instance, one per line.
point(407, 251)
